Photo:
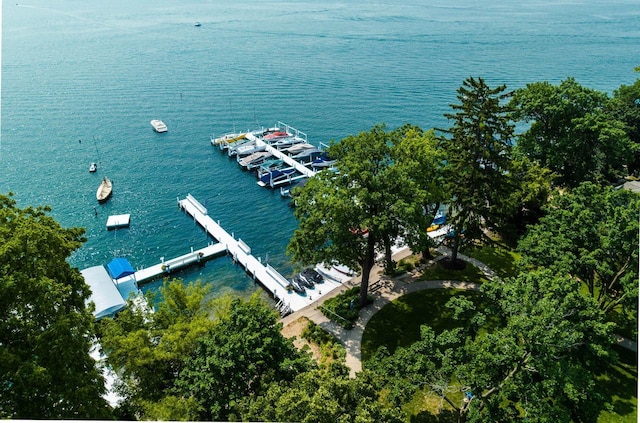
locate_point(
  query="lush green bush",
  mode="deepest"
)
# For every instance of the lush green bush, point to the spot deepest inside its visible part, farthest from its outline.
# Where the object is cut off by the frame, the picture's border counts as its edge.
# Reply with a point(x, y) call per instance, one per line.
point(344, 308)
point(329, 346)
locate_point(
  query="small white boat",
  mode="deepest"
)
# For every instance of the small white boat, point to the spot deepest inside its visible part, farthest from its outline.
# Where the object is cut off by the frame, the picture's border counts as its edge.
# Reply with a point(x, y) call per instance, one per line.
point(104, 190)
point(197, 24)
point(93, 167)
point(159, 125)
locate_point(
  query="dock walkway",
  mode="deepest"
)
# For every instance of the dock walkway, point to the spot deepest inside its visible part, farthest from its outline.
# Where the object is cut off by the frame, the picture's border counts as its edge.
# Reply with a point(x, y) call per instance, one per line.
point(167, 266)
point(303, 170)
point(266, 275)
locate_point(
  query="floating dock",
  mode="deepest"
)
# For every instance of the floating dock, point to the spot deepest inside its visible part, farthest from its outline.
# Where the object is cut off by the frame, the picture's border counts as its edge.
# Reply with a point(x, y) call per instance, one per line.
point(168, 266)
point(118, 221)
point(267, 276)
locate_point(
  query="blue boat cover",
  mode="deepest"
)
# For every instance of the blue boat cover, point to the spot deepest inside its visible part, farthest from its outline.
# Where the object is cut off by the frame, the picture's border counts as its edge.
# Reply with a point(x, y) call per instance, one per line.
point(119, 268)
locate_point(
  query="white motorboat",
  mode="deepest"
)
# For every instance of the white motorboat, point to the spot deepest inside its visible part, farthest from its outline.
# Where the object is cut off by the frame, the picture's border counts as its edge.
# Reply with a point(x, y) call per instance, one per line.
point(159, 125)
point(93, 167)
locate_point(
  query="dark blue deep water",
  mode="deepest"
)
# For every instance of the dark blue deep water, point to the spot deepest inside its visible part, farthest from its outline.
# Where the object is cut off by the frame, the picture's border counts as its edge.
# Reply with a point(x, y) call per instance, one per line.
point(99, 71)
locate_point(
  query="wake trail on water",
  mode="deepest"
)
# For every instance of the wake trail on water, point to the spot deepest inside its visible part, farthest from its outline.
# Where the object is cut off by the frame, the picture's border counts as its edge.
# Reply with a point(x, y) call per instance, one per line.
point(97, 22)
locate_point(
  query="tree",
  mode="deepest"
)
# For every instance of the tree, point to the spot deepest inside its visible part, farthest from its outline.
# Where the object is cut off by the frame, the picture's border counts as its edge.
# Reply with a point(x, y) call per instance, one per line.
point(625, 107)
point(478, 154)
point(148, 348)
point(570, 132)
point(537, 364)
point(531, 189)
point(46, 328)
point(419, 160)
point(347, 215)
point(590, 233)
point(239, 357)
point(321, 395)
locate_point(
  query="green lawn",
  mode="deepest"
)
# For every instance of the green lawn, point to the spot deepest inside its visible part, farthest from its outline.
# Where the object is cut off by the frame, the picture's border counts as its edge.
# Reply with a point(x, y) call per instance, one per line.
point(500, 260)
point(398, 323)
point(437, 272)
point(621, 382)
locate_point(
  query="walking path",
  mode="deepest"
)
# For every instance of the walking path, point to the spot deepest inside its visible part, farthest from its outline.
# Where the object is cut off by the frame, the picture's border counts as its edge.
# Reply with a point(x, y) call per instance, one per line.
point(391, 288)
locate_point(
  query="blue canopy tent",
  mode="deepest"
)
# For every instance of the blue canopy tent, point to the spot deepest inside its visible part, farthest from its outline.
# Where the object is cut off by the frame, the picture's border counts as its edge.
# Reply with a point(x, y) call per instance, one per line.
point(119, 268)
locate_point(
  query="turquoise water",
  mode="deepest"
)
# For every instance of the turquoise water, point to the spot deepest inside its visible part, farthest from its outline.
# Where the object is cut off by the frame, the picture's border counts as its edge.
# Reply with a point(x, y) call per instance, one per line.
point(82, 79)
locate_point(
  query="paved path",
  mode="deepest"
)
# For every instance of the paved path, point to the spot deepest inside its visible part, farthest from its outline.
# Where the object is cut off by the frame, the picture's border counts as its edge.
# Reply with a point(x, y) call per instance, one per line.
point(391, 289)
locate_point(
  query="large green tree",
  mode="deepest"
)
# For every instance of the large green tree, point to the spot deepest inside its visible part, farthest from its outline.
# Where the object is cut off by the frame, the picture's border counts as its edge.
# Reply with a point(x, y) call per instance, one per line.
point(478, 160)
point(590, 233)
point(46, 328)
point(148, 348)
point(239, 357)
point(571, 132)
point(625, 107)
point(348, 215)
point(537, 362)
point(322, 395)
point(419, 161)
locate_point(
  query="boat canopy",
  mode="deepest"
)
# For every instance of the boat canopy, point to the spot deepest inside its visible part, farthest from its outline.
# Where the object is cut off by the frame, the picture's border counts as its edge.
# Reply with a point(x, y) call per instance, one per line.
point(119, 268)
point(104, 293)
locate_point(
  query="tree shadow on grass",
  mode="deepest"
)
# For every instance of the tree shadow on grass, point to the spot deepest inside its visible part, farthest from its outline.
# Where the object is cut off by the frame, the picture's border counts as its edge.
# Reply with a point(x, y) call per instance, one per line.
point(619, 383)
point(500, 260)
point(444, 416)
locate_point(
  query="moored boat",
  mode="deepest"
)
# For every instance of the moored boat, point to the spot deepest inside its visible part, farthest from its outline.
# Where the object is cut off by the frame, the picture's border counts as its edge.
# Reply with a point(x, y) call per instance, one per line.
point(298, 148)
point(250, 148)
point(254, 160)
point(93, 167)
point(104, 190)
point(227, 138)
point(158, 125)
point(274, 136)
point(276, 176)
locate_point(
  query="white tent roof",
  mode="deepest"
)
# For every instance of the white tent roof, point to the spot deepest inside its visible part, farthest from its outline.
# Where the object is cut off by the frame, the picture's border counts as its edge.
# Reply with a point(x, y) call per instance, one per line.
point(104, 293)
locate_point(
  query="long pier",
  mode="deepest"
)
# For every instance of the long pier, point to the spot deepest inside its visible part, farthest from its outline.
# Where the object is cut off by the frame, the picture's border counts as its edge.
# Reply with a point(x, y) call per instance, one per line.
point(266, 275)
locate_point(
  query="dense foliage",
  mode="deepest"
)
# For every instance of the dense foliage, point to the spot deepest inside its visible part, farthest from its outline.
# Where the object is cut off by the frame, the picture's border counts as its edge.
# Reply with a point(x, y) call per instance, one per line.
point(478, 160)
point(45, 327)
point(572, 133)
point(591, 233)
point(371, 199)
point(537, 366)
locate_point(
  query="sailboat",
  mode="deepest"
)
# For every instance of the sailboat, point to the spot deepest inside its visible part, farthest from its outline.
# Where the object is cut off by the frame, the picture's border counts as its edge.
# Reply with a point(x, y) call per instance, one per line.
point(106, 187)
point(104, 190)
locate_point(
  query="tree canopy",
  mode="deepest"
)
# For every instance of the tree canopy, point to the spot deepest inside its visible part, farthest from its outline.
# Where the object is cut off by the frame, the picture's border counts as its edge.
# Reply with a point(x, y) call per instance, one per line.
point(348, 215)
point(536, 365)
point(571, 132)
point(148, 348)
point(241, 356)
point(591, 233)
point(46, 328)
point(477, 151)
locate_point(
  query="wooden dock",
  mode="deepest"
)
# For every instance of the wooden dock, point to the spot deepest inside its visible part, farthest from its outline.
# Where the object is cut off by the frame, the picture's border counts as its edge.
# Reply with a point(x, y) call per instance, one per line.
point(266, 275)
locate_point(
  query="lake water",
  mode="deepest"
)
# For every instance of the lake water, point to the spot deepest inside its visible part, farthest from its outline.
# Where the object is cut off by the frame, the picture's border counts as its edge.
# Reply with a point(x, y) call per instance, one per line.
point(82, 79)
